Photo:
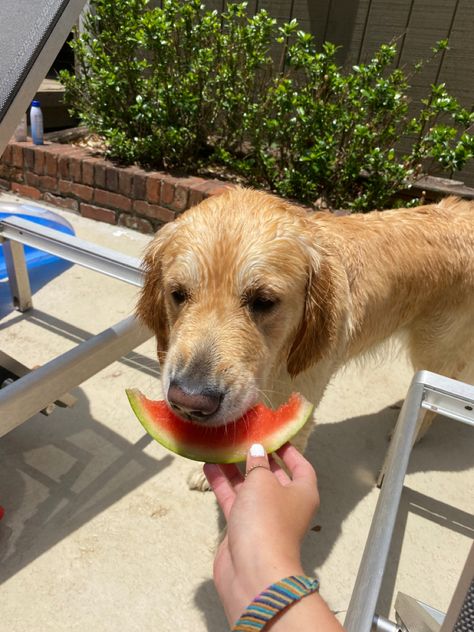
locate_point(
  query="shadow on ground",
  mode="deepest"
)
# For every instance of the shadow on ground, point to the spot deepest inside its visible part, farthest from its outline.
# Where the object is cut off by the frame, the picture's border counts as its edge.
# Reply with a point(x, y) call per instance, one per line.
point(82, 468)
point(76, 334)
point(58, 473)
point(348, 457)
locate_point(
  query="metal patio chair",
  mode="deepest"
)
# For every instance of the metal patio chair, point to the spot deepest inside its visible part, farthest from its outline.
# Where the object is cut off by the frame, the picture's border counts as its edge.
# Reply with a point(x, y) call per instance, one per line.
point(447, 397)
point(26, 54)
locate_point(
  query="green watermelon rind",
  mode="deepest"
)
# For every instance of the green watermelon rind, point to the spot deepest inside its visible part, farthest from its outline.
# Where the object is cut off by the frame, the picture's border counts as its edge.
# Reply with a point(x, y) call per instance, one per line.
point(212, 455)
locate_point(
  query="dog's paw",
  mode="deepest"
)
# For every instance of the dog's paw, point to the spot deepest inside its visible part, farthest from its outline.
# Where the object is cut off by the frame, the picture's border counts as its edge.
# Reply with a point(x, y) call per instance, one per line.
point(197, 481)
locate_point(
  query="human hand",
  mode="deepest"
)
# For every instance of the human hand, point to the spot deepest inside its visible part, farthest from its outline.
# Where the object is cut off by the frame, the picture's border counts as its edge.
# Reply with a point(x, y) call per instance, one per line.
point(267, 515)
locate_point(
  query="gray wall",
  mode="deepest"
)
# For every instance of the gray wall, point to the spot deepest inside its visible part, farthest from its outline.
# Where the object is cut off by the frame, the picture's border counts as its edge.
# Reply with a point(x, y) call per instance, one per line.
point(360, 26)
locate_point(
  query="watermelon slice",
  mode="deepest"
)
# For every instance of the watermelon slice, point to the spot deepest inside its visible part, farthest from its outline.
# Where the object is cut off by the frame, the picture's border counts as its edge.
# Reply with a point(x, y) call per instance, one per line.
point(228, 443)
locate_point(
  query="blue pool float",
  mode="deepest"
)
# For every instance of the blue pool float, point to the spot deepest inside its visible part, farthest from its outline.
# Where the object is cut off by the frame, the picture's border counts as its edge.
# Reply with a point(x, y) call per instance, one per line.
point(34, 257)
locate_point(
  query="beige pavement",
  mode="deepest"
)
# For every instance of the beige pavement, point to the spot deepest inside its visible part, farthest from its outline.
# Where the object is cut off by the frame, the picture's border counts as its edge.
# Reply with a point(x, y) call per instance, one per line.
point(101, 532)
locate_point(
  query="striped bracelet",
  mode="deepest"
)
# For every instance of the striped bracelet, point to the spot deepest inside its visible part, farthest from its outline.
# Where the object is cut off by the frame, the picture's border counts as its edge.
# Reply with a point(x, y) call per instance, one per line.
point(273, 600)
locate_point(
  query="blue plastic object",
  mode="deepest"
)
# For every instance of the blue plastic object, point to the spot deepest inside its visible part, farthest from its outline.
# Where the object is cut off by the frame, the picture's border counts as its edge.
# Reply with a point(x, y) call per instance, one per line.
point(34, 257)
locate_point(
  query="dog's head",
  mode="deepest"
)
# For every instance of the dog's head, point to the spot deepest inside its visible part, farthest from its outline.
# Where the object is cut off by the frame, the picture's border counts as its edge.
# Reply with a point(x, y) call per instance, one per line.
point(233, 288)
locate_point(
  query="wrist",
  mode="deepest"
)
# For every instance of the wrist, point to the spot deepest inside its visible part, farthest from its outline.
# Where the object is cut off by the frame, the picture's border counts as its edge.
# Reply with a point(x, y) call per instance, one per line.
point(249, 584)
point(287, 604)
point(271, 573)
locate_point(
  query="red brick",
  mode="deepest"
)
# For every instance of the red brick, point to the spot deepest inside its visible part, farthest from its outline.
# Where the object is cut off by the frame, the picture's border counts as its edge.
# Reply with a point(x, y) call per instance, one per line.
point(32, 179)
point(111, 179)
point(64, 187)
point(176, 192)
point(82, 191)
point(199, 188)
point(46, 158)
point(17, 155)
point(99, 173)
point(7, 155)
point(29, 158)
point(26, 191)
point(219, 190)
point(167, 192)
point(63, 167)
point(136, 223)
point(5, 170)
point(139, 185)
point(51, 164)
point(39, 161)
point(47, 183)
point(115, 200)
point(66, 160)
point(88, 165)
point(195, 197)
point(181, 195)
point(63, 202)
point(190, 181)
point(98, 213)
point(153, 210)
point(75, 167)
point(125, 184)
point(153, 187)
point(214, 187)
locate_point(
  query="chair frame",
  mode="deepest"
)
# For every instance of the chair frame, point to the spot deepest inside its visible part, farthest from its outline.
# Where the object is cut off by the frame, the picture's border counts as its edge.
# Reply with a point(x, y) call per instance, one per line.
point(35, 391)
point(428, 391)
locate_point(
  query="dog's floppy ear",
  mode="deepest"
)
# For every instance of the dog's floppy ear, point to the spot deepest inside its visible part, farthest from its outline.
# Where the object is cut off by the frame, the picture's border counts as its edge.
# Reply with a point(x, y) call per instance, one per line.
point(151, 308)
point(323, 321)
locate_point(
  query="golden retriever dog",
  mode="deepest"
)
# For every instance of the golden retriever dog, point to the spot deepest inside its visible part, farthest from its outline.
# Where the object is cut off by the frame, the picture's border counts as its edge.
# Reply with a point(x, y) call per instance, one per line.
point(251, 298)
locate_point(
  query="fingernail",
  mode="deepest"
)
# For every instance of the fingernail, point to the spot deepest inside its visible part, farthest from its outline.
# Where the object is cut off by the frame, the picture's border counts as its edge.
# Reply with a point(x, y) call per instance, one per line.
point(257, 449)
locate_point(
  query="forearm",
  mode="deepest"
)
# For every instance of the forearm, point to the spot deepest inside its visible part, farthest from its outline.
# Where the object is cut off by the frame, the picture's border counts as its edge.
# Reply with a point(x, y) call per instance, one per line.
point(309, 614)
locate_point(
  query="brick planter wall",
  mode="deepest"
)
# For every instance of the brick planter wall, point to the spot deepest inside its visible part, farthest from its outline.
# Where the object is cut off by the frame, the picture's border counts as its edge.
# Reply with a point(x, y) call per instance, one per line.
point(74, 179)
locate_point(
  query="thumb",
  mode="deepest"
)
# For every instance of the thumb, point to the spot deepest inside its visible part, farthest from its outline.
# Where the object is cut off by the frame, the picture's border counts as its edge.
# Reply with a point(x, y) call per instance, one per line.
point(257, 459)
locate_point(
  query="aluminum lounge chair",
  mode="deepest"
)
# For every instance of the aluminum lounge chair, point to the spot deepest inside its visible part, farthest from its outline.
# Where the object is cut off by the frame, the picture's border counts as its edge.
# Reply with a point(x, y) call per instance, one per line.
point(31, 35)
point(26, 54)
point(450, 398)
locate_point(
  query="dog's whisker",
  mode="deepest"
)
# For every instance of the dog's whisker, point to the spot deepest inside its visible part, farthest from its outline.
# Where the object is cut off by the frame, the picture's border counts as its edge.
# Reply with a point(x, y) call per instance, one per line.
point(265, 397)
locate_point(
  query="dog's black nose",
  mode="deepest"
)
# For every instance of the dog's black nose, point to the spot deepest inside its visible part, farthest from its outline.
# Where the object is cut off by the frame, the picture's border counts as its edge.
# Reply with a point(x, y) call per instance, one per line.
point(195, 405)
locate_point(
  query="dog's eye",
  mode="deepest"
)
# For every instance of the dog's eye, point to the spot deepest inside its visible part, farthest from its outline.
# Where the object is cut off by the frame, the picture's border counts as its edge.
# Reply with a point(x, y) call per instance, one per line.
point(179, 296)
point(261, 304)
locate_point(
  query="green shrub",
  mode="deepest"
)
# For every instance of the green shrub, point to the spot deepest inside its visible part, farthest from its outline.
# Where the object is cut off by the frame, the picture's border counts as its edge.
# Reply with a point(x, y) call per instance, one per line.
point(180, 86)
point(159, 84)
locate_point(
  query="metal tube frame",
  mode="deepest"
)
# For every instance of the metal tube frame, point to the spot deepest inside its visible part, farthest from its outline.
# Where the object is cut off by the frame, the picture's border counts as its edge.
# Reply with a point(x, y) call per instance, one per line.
point(71, 248)
point(30, 394)
point(416, 615)
point(453, 399)
point(27, 396)
point(17, 271)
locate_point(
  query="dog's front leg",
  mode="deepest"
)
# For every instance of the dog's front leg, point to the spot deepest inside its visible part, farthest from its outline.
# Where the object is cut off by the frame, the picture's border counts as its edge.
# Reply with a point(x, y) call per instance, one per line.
point(197, 480)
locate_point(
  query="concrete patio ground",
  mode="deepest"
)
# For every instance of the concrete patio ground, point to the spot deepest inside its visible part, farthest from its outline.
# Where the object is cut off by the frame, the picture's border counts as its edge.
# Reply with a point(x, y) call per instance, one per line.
point(101, 532)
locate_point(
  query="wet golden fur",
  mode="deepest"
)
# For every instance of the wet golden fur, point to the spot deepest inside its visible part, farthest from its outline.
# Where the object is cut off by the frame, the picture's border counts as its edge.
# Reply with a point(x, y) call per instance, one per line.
point(339, 287)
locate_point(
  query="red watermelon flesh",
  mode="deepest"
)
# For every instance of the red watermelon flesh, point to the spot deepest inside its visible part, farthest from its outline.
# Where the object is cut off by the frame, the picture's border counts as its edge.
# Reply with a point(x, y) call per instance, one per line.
point(227, 443)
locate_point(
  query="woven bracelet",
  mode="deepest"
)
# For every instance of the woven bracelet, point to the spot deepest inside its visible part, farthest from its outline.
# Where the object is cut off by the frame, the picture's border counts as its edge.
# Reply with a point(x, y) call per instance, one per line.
point(273, 600)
